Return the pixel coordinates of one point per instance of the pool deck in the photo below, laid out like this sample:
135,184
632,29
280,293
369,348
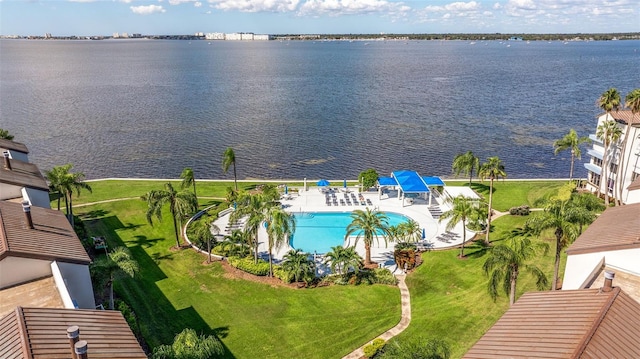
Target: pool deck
313,200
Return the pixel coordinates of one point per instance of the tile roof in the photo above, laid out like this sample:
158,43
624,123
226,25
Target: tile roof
13,145
634,185
625,116
584,323
41,293
51,239
23,174
42,333
616,228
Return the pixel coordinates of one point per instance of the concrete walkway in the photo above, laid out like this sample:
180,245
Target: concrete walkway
405,319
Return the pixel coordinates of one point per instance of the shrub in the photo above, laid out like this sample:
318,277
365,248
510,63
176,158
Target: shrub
520,211
128,314
246,264
384,276
228,249
375,347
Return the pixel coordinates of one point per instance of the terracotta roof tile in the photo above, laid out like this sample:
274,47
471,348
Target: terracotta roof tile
13,145
45,334
624,116
617,228
634,185
51,239
564,324
23,174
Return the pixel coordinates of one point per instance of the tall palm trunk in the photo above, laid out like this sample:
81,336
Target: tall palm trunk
514,280
235,177
620,175
486,238
255,247
70,211
573,156
556,265
464,237
367,250
111,301
175,228
270,264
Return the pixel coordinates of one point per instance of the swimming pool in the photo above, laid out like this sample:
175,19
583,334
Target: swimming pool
317,232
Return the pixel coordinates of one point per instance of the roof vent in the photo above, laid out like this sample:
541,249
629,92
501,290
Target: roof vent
7,161
73,333
26,208
608,281
81,349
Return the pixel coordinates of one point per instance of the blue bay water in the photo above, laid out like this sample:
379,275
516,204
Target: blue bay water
149,108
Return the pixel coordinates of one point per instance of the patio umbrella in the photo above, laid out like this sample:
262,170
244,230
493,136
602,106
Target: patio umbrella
323,183
286,189
344,184
424,235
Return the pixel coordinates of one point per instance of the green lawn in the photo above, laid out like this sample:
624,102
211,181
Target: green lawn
507,194
175,290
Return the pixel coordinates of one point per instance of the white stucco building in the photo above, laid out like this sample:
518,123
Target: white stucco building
629,172
612,242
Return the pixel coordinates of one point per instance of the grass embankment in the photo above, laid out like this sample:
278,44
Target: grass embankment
175,290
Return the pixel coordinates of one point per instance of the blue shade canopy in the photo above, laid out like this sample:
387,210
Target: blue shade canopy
410,182
433,181
387,181
323,182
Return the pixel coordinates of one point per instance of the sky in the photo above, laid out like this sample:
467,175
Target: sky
157,17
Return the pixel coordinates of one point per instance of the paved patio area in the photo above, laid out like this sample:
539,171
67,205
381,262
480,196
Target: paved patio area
313,200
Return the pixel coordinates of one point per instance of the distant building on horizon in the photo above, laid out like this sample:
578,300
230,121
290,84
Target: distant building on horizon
237,36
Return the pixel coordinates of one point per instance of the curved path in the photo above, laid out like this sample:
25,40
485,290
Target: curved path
405,319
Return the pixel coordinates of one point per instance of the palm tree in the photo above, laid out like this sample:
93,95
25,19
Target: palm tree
609,133
228,159
462,210
492,169
465,163
5,134
280,225
180,203
368,225
254,207
188,179
341,260
64,182
504,263
56,177
571,142
632,101
188,344
205,231
116,264
410,231
418,347
556,217
298,265
582,209
608,101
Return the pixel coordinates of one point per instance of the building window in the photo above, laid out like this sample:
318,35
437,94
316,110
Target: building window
595,179
597,161
613,168
634,176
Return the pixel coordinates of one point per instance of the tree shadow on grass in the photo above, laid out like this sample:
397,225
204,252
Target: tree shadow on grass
481,188
477,249
158,318
93,214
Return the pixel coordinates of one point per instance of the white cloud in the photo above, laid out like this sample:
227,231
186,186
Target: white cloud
197,4
255,5
454,7
349,7
147,10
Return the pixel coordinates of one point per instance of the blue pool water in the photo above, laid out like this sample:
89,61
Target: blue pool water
317,232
